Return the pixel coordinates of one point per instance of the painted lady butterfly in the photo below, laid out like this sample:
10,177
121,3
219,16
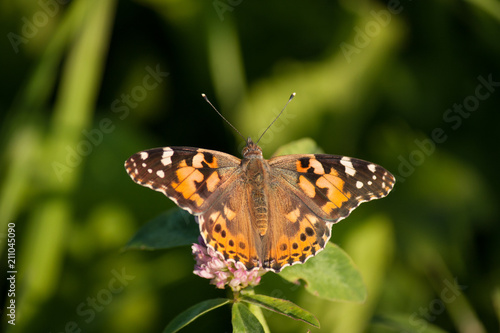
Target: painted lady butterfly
263,213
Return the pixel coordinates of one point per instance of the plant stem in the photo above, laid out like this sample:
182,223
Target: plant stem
256,310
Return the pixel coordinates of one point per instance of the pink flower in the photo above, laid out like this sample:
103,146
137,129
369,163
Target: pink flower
211,265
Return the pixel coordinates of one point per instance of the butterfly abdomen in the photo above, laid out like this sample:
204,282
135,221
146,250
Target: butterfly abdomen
257,172
260,211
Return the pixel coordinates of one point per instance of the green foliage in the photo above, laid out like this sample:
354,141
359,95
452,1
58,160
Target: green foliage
244,321
170,229
243,318
302,146
283,307
78,98
194,312
330,275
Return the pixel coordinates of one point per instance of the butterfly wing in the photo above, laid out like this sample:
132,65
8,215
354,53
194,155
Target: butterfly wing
295,232
315,191
227,227
331,185
191,177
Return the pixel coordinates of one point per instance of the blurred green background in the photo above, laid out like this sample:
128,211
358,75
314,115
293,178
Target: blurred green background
411,85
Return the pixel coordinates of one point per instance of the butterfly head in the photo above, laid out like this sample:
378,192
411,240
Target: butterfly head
252,150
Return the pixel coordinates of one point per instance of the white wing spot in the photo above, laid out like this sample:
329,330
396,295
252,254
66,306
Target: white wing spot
198,160
160,173
150,170
144,165
369,182
359,184
144,155
189,210
349,168
372,167
317,166
374,177
165,158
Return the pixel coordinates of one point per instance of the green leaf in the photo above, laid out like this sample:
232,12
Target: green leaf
172,228
404,323
301,146
244,320
194,312
283,307
330,275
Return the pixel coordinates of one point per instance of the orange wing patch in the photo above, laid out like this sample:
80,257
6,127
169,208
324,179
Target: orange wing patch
293,216
313,163
201,158
335,192
218,234
307,187
213,181
188,176
305,243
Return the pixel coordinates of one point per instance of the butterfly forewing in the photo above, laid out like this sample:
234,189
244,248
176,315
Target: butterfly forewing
332,185
188,176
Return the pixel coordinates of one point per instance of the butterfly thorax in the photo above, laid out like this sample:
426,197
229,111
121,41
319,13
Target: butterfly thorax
256,171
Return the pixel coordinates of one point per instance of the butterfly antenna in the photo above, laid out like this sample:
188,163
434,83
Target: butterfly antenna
271,124
227,121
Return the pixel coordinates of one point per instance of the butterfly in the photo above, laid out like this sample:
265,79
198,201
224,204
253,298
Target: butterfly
264,214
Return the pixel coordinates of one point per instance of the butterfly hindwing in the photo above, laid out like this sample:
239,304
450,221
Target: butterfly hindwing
295,233
227,228
188,176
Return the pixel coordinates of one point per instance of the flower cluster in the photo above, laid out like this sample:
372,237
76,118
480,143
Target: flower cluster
211,265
